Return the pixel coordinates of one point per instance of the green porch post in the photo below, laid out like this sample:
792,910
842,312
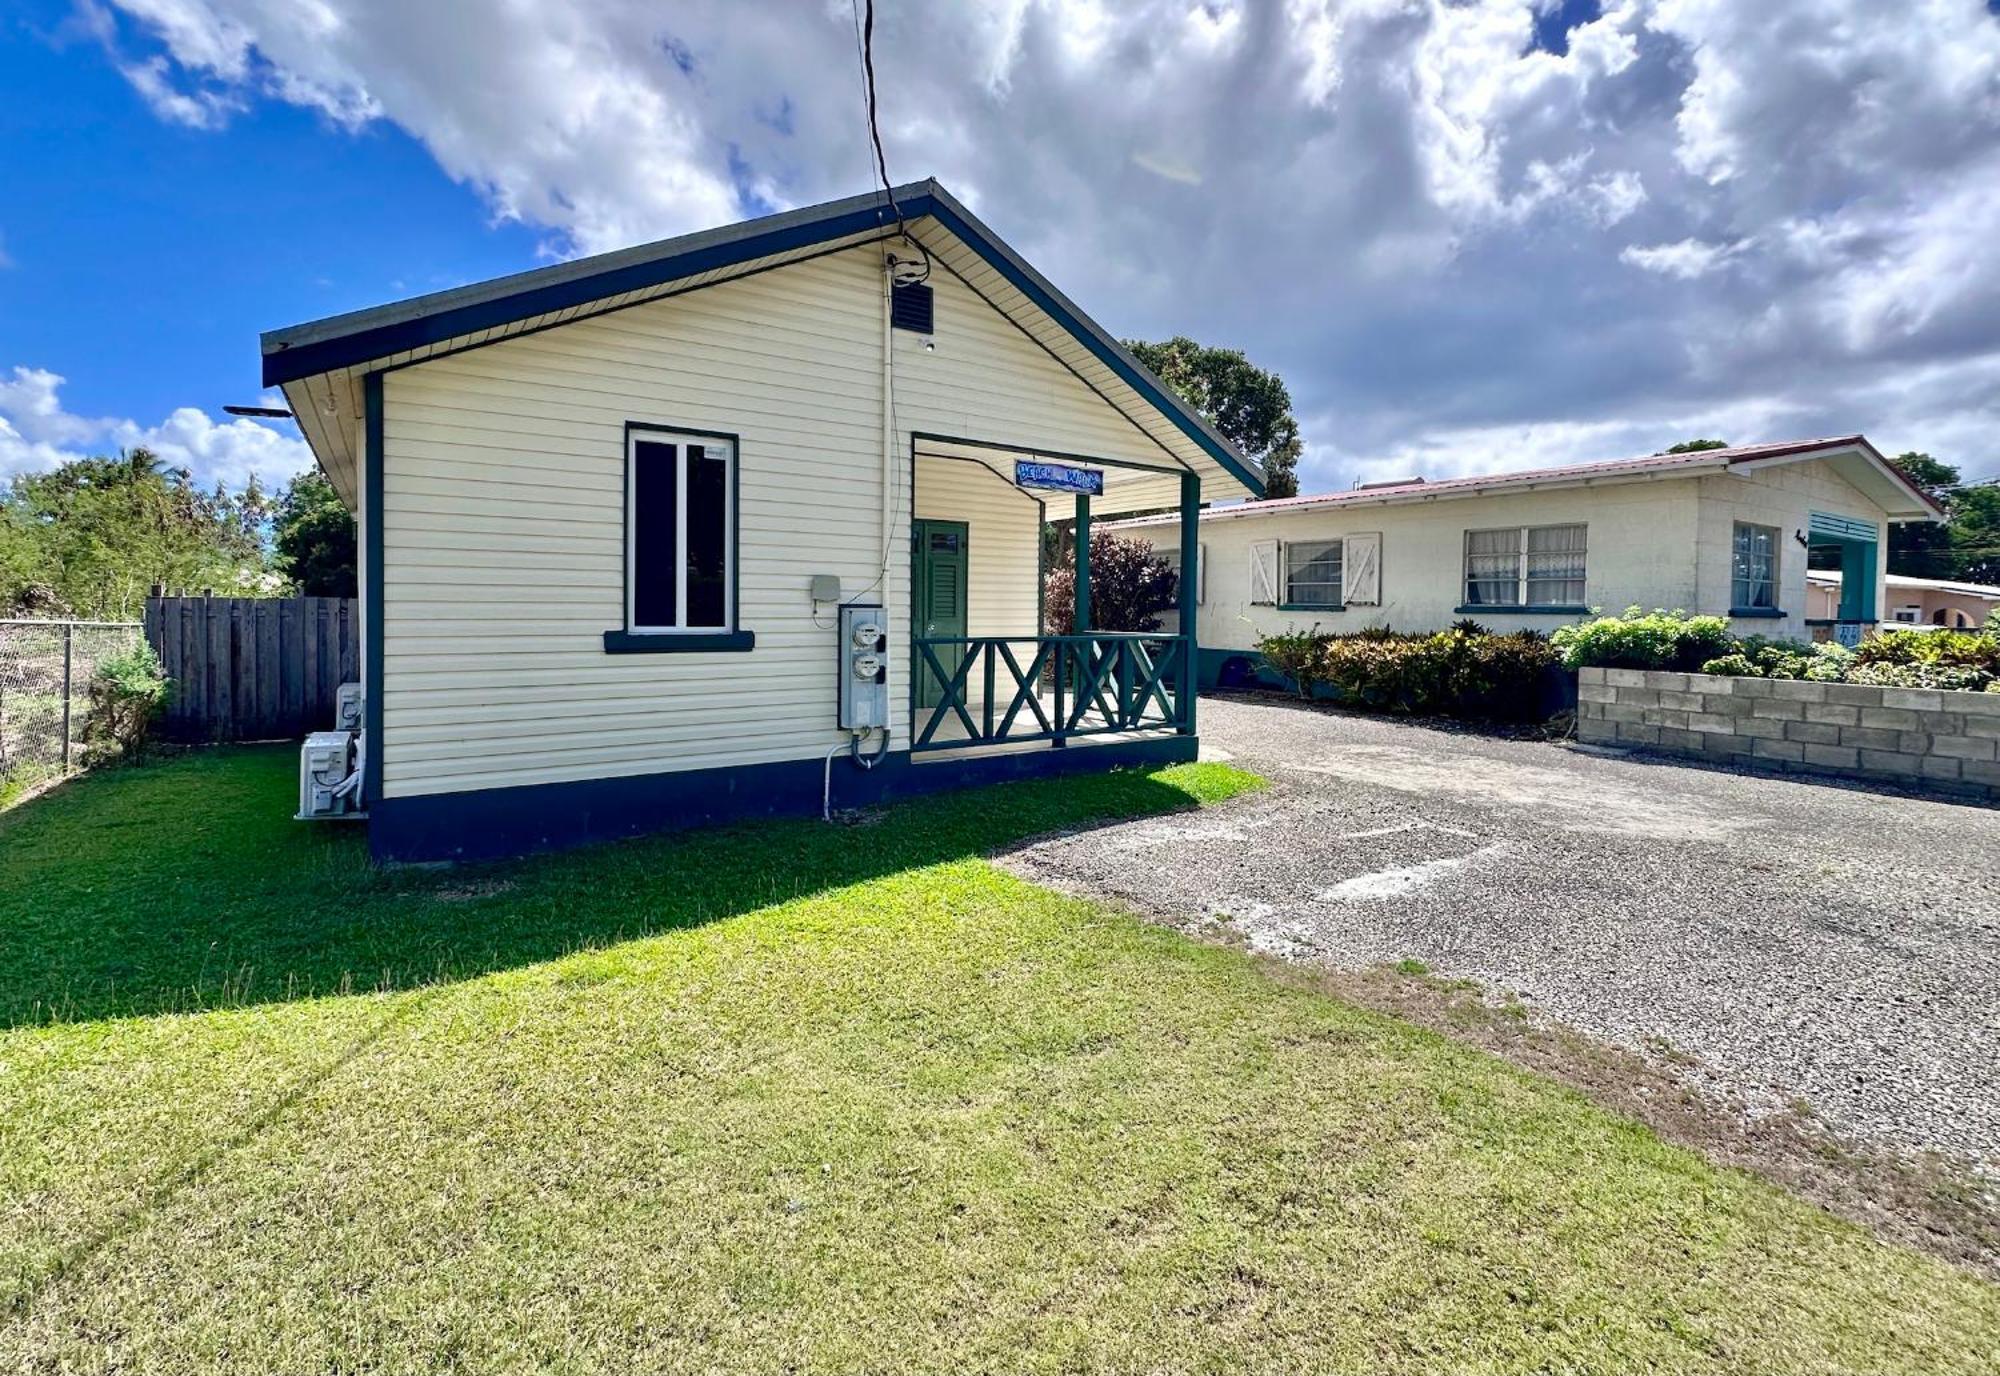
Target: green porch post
1079,654
1082,563
1190,587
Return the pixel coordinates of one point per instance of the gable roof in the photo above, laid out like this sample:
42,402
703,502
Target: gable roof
1904,500
322,360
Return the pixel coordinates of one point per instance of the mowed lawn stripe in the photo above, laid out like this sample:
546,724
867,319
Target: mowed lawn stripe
841,1099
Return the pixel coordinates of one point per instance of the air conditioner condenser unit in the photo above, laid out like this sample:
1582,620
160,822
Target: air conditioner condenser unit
329,784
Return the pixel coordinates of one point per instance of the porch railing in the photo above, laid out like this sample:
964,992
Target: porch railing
995,690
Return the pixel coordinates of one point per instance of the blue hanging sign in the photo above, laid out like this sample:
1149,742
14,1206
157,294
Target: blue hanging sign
1059,476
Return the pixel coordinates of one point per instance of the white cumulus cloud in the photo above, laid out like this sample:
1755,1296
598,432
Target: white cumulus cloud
37,432
1428,221
1686,259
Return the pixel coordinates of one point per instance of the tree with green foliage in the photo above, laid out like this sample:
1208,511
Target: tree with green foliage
90,537
1975,533
1248,406
1921,549
314,537
1694,446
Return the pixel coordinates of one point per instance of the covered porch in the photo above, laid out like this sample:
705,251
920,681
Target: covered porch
989,672
1849,548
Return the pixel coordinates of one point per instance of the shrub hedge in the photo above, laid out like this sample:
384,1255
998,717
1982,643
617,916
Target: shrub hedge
1466,671
1966,661
1645,640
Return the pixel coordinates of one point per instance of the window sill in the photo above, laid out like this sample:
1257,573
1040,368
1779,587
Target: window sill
653,643
1760,613
1490,608
1310,607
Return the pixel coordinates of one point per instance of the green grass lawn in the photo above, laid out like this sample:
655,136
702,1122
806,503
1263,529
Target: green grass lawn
798,1097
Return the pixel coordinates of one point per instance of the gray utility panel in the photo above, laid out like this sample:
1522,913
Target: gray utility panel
864,668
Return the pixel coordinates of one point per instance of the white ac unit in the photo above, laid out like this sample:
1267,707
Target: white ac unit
328,782
347,707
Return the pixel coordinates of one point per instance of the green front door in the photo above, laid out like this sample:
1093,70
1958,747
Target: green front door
938,586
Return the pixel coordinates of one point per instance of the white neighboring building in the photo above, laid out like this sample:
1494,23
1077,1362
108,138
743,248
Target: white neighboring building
1720,530
1911,601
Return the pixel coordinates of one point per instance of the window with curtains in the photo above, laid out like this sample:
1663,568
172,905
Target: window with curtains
1525,566
1753,573
680,528
1312,573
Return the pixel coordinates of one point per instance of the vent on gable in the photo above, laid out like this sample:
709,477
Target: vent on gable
910,307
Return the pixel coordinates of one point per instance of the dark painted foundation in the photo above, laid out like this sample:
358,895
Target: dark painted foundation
494,823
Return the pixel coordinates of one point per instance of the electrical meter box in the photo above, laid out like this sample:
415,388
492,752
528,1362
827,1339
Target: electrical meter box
864,668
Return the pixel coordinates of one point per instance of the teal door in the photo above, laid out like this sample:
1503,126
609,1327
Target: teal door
937,592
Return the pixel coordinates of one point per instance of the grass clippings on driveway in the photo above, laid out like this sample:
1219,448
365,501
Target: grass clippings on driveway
809,1098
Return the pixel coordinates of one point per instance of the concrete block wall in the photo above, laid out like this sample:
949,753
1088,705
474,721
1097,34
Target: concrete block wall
1949,742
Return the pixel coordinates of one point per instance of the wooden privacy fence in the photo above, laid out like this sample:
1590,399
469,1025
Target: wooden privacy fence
253,668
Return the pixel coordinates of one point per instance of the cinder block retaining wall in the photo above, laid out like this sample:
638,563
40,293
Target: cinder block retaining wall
1944,741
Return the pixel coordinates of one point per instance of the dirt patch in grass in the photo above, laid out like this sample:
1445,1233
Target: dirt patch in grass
1922,1200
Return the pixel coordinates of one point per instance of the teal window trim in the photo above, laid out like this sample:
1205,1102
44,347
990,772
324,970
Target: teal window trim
1312,606
1757,613
1489,608
677,642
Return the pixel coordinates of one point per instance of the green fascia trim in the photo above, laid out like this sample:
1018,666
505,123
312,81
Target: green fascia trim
1758,613
1490,608
674,643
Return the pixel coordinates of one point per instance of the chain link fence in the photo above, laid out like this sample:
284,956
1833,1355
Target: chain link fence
45,673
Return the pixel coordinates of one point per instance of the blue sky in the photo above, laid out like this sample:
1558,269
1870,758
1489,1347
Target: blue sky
144,257
1471,235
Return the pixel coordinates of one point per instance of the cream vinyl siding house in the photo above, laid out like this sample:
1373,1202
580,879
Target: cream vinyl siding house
749,427
1724,531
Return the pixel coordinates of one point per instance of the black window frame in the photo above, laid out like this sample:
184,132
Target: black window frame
632,638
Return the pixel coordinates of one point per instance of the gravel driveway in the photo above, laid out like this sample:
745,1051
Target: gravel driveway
1800,941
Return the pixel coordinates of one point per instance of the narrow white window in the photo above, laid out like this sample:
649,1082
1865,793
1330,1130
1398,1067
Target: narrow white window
1313,574
680,532
1753,573
1525,566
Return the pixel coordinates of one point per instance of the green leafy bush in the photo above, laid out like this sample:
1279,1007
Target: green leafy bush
1960,678
1732,666
1464,672
1300,656
1645,640
1970,649
1767,658
125,694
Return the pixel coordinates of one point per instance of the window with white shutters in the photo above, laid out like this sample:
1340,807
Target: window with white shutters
1312,573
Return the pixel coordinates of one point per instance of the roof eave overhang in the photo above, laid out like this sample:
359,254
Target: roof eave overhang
1921,507
365,337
